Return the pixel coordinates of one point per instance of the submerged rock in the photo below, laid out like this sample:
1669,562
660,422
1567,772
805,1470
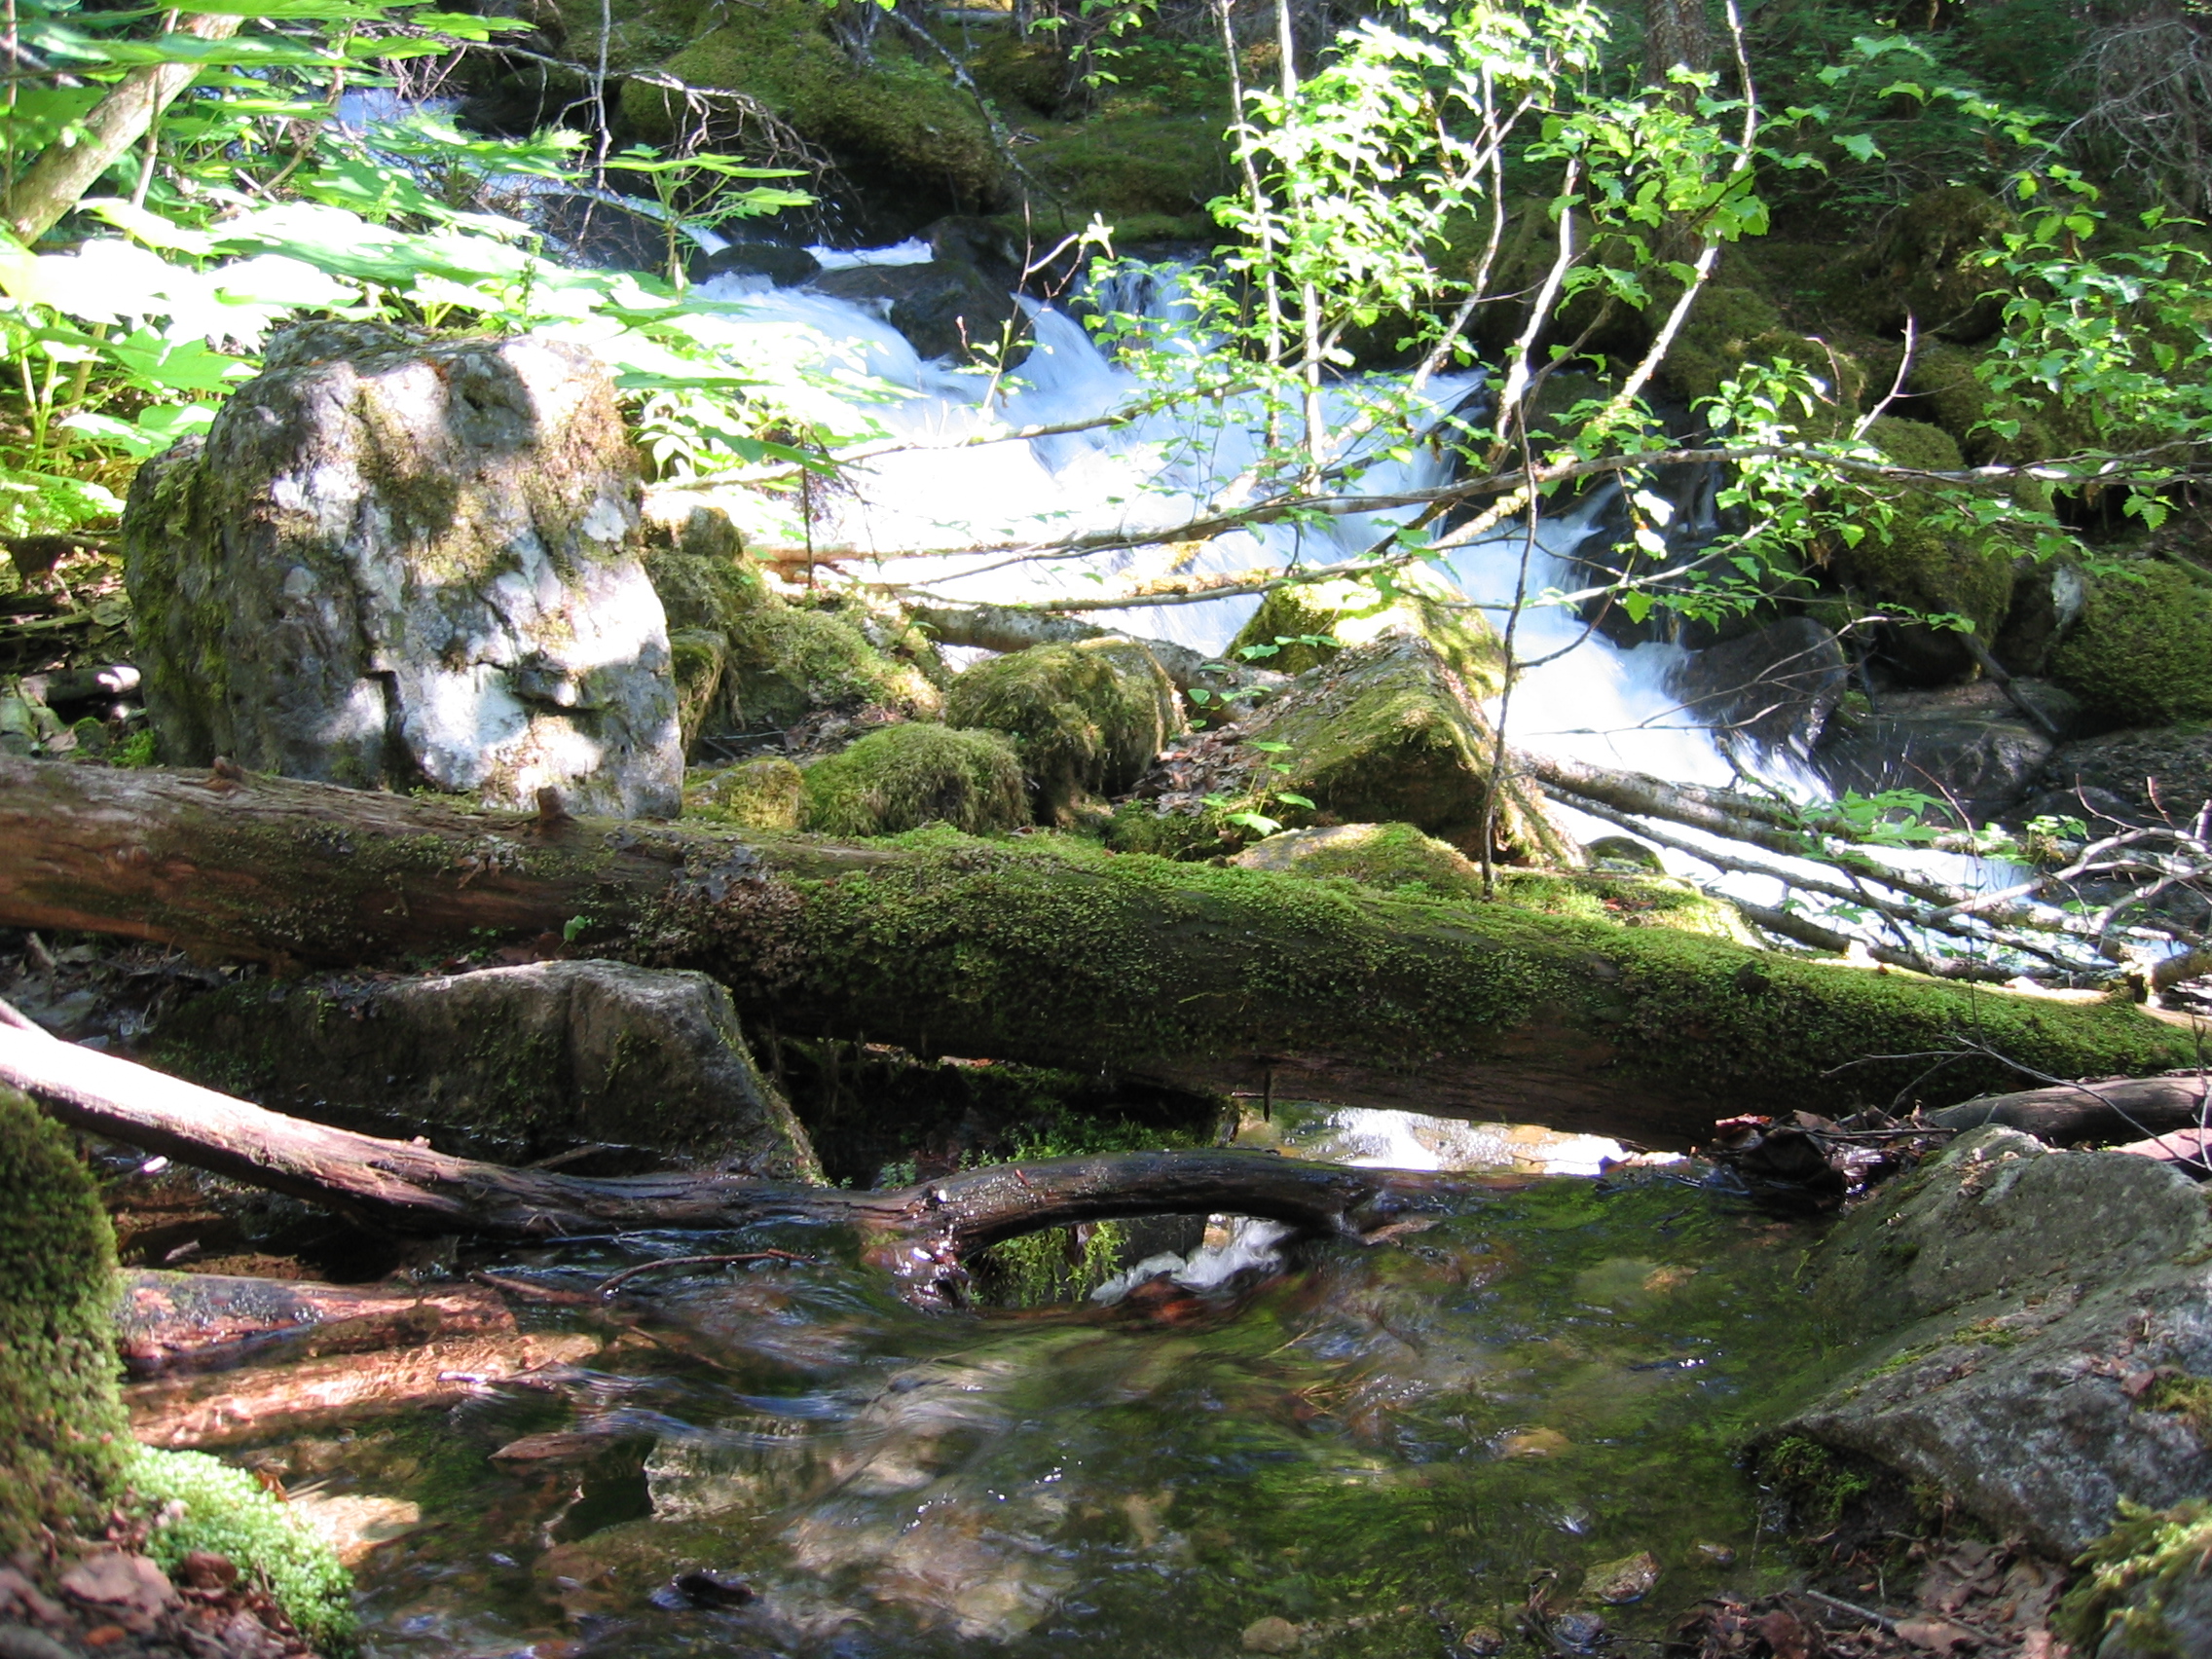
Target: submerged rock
1771,691
396,563
634,1066
2042,1318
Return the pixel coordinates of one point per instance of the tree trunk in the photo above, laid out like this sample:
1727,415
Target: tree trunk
1051,953
57,181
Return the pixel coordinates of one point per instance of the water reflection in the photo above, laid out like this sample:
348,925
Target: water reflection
1364,1443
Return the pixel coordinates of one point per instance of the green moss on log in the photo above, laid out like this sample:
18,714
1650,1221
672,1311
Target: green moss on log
906,775
2142,651
1060,953
1087,719
63,1435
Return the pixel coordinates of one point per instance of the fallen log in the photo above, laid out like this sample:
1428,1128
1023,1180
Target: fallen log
1049,952
277,1401
2073,1114
919,1232
174,1324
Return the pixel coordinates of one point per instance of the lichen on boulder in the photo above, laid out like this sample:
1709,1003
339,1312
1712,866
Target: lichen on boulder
397,561
62,1433
1087,719
2142,651
916,773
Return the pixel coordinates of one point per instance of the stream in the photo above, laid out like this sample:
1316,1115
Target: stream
1382,1447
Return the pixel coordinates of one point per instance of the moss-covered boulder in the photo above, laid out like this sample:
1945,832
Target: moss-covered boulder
404,561
1087,719
751,660
1384,732
1925,267
766,792
1149,175
1392,856
895,116
906,775
1917,553
62,1435
1303,626
2141,653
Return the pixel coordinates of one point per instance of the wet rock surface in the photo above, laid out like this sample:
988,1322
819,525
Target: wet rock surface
401,563
1772,690
2153,774
944,307
1969,744
2039,1308
605,1066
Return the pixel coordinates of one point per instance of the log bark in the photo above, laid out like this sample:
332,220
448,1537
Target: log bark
174,1324
921,1232
2071,1114
1045,952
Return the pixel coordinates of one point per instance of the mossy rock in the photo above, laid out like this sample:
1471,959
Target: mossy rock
697,657
1924,267
1392,856
2146,1593
791,660
906,775
1352,613
1625,900
1148,176
2141,653
1087,719
1030,74
896,115
1921,560
1384,732
200,1504
768,792
63,1431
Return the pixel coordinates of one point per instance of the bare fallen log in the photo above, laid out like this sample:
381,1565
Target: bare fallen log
174,1324
919,1232
1039,951
2073,1114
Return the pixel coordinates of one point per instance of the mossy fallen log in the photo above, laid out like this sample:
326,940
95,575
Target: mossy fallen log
1053,953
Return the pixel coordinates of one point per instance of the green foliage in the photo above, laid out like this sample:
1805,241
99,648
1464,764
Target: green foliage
1059,1264
1087,719
63,1431
2133,1572
2142,651
196,1502
916,773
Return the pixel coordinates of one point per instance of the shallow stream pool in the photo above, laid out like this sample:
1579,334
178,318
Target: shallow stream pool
1374,1450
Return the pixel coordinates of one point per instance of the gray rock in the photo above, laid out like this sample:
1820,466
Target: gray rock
2017,1298
945,308
2152,773
1966,743
397,563
1772,690
640,1066
784,266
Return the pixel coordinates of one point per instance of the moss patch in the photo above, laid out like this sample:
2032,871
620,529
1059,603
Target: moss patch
897,113
1158,169
2141,653
1087,719
62,1432
1918,557
198,1503
1352,613
764,793
2134,1571
906,775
